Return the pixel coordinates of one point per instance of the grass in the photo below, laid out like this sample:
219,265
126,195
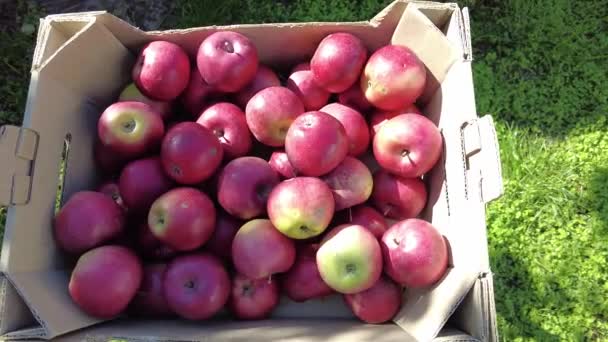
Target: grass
540,69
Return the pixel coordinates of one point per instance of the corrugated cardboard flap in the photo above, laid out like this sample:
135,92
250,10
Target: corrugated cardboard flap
17,152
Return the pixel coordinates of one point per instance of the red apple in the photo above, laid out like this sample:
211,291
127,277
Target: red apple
141,182
353,97
190,153
408,145
305,66
220,243
415,253
131,93
301,207
264,78
280,163
130,128
183,218
150,298
354,124
244,186
259,250
197,94
270,112
350,182
149,246
105,280
111,189
229,125
196,286
162,70
380,117
108,161
303,281
369,218
227,61
87,220
316,143
253,298
378,304
337,62
393,77
312,95
397,197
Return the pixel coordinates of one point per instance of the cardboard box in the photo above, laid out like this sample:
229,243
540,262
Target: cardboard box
83,60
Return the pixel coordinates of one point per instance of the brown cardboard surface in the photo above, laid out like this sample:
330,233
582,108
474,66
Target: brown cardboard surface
65,101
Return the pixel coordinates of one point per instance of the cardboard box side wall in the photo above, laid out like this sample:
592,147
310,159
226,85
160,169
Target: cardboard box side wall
63,101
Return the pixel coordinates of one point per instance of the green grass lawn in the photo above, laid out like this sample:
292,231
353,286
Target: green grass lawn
541,70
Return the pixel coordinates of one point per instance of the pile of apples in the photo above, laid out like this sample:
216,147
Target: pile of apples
226,189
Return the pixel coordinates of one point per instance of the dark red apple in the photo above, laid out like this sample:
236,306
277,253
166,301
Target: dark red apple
108,161
259,250
354,98
190,153
397,197
316,143
130,128
378,304
380,117
253,298
196,286
393,77
111,189
197,94
183,218
150,298
149,246
228,123
408,145
264,78
369,218
415,253
270,112
303,281
337,62
351,183
105,280
131,93
280,163
162,70
310,93
227,61
220,243
141,182
354,124
244,186
87,220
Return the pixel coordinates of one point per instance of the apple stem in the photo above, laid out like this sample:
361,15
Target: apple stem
388,209
396,241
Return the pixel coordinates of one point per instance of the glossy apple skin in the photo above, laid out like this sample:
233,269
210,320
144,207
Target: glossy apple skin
353,97
379,117
220,243
228,124
190,153
355,125
397,197
415,253
130,128
149,301
183,218
280,163
270,112
408,145
310,93
244,186
378,304
227,61
253,299
393,77
301,207
259,250
369,218
105,280
316,143
87,220
131,93
197,94
150,247
111,189
162,70
349,259
337,62
141,182
264,78
196,286
351,183
303,281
